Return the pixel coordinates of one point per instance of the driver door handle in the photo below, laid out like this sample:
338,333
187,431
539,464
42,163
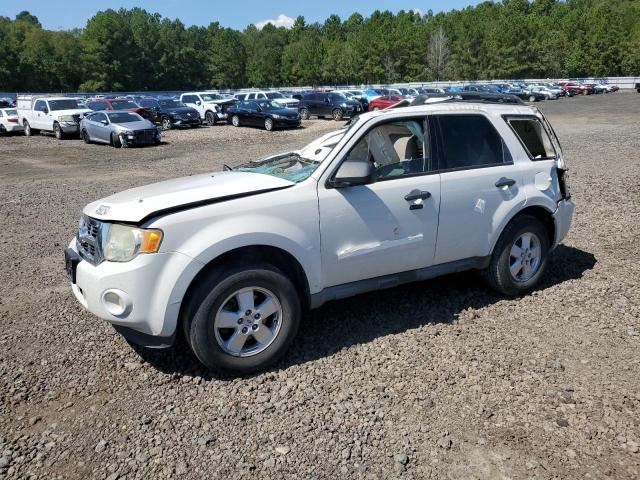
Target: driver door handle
417,195
505,182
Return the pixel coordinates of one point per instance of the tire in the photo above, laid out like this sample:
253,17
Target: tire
115,141
3,131
268,124
85,137
505,258
304,114
235,121
57,131
337,114
532,98
166,123
210,118
202,318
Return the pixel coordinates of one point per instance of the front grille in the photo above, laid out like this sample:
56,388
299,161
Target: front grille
145,136
89,240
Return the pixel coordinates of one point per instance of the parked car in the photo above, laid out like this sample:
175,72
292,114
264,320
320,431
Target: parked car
548,94
233,258
430,90
170,113
409,93
325,104
119,128
209,105
9,121
372,94
59,115
611,88
357,97
6,103
598,87
384,102
275,96
120,103
577,88
263,113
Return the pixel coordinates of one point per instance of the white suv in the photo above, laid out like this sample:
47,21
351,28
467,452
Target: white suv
275,96
233,258
210,105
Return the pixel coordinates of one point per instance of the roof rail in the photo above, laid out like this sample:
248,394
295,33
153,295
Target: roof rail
471,97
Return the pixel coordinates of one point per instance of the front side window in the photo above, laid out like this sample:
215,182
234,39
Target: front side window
534,138
396,149
470,141
40,106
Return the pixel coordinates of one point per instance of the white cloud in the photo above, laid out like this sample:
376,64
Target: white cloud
281,21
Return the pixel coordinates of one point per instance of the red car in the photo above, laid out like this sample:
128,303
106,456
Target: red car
384,102
97,104
577,88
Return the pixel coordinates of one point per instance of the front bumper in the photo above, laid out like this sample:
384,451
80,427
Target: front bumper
287,122
563,217
70,127
183,122
147,288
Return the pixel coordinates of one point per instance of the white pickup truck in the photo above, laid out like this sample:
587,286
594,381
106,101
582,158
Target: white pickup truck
233,258
60,115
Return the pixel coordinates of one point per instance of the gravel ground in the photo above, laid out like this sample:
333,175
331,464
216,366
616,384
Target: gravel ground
440,379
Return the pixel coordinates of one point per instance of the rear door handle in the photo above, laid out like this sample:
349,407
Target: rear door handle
417,195
505,182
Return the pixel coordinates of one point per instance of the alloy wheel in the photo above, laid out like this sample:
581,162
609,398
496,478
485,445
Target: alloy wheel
525,257
248,321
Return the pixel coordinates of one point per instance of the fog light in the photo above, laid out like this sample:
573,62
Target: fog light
117,302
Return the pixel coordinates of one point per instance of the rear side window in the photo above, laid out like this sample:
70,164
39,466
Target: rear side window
534,138
470,141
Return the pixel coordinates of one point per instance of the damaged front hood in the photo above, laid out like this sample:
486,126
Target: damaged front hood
142,203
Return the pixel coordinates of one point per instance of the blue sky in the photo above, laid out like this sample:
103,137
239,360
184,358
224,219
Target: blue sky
237,14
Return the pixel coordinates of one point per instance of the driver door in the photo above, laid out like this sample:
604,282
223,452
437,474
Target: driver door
389,226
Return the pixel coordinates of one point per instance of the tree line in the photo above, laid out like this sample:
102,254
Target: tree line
133,49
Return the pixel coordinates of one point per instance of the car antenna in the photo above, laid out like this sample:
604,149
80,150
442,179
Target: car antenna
226,168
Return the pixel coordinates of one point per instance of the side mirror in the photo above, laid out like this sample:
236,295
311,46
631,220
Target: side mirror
45,110
104,122
198,102
354,172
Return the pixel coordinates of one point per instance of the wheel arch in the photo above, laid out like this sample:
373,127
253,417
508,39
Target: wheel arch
276,256
540,212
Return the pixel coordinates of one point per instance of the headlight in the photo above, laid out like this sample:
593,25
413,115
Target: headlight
124,242
344,105
275,115
66,118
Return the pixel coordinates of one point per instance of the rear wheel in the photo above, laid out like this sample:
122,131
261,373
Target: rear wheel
268,124
235,121
242,318
532,98
3,131
28,131
210,118
520,256
304,114
337,114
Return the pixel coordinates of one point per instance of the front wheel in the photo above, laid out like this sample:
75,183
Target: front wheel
57,131
268,124
85,137
337,114
532,98
210,118
243,318
115,141
3,131
304,114
166,123
235,121
520,257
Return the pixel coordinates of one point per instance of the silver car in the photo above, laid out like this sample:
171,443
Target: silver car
119,128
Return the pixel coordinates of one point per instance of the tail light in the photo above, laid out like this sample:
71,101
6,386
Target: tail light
12,120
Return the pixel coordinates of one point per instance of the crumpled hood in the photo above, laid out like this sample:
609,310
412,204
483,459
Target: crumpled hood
140,203
133,126
73,111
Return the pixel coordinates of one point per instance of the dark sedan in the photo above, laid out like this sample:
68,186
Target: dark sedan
263,113
172,113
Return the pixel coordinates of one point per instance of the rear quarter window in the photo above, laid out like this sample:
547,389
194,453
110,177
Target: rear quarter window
533,137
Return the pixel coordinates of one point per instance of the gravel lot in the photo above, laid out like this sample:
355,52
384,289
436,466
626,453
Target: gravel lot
440,379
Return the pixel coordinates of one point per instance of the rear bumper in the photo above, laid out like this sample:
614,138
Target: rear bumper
13,127
563,217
